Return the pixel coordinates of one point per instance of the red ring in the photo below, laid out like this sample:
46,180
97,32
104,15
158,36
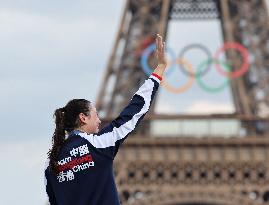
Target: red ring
244,52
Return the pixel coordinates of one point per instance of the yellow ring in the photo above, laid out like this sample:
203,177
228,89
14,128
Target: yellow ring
188,83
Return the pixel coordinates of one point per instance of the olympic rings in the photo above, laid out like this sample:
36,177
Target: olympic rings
244,52
188,83
201,47
206,87
145,56
201,70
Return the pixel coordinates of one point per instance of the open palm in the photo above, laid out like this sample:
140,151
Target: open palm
160,51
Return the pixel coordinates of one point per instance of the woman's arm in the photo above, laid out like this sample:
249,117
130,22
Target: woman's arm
110,137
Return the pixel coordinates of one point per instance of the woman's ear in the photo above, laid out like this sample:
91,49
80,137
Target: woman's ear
82,117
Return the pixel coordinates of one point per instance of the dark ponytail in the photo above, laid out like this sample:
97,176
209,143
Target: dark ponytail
66,120
57,139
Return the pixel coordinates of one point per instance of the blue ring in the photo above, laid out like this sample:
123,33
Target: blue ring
145,55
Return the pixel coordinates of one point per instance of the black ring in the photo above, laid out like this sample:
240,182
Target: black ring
199,46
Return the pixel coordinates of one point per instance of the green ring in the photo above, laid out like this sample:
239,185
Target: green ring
206,87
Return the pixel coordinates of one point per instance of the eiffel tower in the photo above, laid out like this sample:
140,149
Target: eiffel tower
183,169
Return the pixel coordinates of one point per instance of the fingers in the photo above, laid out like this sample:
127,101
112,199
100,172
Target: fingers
163,48
159,42
160,45
160,50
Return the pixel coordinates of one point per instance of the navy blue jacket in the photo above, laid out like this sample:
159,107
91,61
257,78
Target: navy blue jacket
86,160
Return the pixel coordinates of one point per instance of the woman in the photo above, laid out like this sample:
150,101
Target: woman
79,170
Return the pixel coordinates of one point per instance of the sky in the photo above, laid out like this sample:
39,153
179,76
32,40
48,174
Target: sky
51,52
54,51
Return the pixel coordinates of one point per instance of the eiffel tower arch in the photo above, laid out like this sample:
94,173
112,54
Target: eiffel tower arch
184,169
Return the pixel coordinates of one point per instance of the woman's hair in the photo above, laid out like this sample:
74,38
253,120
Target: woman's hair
66,120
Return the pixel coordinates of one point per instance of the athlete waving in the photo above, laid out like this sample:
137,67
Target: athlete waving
79,170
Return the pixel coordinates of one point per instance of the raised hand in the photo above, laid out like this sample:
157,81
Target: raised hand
160,55
160,51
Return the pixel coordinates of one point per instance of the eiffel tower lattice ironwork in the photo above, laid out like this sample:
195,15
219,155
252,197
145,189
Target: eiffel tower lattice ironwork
191,170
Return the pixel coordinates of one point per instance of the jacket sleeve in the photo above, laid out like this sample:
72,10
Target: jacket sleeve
110,137
49,191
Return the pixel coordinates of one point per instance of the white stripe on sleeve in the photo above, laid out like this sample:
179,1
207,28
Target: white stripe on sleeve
109,139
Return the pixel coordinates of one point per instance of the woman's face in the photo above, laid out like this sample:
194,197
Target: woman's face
91,122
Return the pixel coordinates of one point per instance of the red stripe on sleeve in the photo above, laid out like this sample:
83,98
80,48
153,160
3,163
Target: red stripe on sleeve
157,76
